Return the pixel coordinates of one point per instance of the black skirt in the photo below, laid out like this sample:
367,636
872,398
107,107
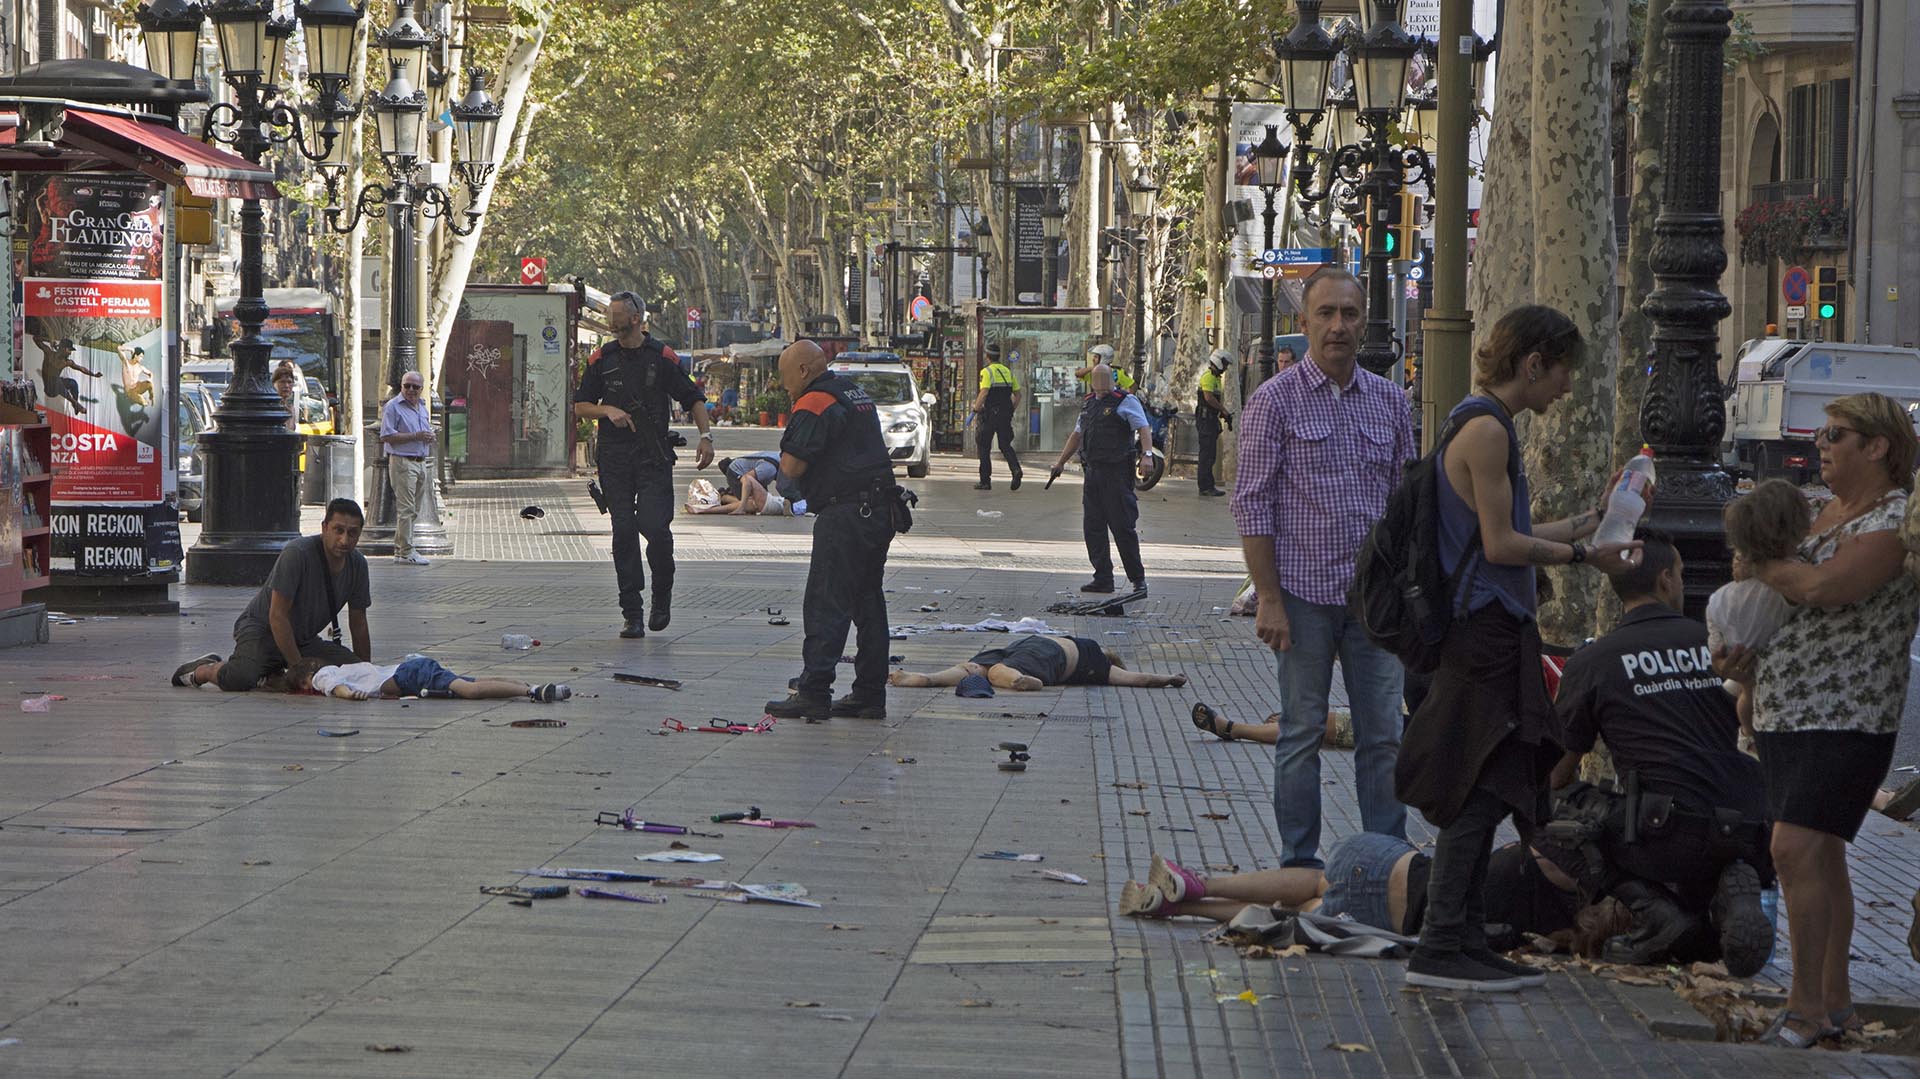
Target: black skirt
1823,780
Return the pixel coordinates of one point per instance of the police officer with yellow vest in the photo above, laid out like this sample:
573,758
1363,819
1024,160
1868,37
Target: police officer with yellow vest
833,452
1113,429
1209,408
993,410
1097,355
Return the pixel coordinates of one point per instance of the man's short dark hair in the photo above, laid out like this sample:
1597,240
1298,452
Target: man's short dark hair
1329,275
1657,556
345,507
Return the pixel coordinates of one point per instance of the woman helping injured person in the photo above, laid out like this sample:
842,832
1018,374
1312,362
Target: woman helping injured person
1032,661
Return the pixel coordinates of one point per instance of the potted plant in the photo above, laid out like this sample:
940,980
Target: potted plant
772,403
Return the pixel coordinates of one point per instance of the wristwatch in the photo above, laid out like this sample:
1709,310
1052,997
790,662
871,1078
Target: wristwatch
1579,553
706,436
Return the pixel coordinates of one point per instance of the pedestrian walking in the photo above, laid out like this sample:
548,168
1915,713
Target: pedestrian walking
1209,409
1485,738
993,409
1321,446
292,615
630,386
406,433
835,456
1113,431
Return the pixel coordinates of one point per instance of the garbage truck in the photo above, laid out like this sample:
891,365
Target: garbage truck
1780,391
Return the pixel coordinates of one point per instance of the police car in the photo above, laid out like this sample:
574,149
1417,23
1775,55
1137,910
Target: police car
906,419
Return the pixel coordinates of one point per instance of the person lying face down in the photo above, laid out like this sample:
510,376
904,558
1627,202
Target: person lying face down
415,676
1031,661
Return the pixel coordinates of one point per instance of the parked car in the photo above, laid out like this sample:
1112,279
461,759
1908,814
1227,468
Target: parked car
904,421
196,404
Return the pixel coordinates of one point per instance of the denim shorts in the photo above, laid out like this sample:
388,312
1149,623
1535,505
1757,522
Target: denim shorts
418,674
1358,868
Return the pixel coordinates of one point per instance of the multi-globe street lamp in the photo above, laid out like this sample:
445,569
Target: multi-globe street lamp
252,505
1362,155
1053,219
1269,166
1141,191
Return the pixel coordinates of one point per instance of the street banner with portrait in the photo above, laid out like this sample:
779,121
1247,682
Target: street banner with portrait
1248,235
93,304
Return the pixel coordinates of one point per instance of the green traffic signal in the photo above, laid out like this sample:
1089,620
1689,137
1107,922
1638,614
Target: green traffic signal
1826,310
1390,241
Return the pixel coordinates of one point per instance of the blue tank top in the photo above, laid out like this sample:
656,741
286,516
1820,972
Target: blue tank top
1511,586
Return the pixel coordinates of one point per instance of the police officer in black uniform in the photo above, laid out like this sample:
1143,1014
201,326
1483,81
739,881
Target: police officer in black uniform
1113,428
629,386
835,455
1686,847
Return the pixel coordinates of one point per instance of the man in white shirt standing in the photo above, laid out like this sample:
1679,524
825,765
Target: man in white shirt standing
406,430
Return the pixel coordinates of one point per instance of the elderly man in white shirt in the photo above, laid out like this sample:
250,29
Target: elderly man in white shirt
406,431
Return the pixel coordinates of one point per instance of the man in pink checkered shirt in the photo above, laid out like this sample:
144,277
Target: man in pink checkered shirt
1321,446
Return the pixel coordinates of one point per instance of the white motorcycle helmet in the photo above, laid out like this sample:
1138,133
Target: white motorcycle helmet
1101,354
1220,359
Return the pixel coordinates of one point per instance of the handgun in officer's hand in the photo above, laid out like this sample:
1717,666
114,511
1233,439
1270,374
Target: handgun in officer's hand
1228,416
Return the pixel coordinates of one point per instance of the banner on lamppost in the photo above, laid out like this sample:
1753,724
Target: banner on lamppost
1249,228
1029,243
93,314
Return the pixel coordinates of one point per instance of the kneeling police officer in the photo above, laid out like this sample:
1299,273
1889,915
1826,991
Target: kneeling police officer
834,453
1113,429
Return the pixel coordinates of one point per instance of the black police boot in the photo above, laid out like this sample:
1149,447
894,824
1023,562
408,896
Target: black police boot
662,610
633,629
1102,587
983,485
1746,937
1015,484
801,706
855,707
1658,923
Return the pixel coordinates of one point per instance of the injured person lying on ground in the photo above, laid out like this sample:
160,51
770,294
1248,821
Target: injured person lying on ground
415,676
1032,661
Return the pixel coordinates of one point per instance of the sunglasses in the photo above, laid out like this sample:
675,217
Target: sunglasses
1832,432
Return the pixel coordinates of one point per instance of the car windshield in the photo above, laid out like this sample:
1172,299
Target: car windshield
190,425
885,387
313,410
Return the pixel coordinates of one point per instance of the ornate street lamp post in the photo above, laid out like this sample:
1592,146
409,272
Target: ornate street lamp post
252,504
1269,164
1052,219
1140,195
1683,414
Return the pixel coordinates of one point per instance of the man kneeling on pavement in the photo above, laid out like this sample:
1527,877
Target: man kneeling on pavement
1684,847
286,622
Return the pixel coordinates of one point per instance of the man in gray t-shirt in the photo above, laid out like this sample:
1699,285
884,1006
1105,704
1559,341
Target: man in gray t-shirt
285,623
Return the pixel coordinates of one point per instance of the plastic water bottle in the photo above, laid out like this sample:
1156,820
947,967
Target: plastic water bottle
1627,501
1770,906
516,642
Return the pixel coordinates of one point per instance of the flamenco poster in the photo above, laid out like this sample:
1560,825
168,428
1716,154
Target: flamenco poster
93,303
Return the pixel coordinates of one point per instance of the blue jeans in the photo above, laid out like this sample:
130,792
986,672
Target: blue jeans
1322,632
1359,871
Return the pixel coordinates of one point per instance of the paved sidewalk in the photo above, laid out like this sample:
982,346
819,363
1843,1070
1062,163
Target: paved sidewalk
198,884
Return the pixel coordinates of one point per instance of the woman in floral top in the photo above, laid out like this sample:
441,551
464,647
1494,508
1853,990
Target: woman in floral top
1827,692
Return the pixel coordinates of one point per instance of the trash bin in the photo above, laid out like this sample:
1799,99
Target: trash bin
329,472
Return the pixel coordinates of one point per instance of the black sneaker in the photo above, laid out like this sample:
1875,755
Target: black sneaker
1454,970
852,707
1213,493
1746,937
1137,586
183,674
801,706
1102,587
1487,957
983,485
662,611
633,629
551,692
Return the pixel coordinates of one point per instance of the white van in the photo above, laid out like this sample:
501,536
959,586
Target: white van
905,416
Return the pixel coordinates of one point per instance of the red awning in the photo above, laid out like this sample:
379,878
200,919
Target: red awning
118,140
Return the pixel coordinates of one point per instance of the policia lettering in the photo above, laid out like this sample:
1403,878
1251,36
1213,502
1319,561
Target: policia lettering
847,479
636,463
993,411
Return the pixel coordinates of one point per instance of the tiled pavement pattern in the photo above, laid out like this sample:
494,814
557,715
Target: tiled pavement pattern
196,884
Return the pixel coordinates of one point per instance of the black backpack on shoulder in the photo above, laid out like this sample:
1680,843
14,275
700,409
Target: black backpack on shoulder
1402,595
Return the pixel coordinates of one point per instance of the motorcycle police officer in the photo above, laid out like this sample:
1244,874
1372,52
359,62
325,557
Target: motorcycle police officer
993,410
834,453
629,386
1208,410
1113,428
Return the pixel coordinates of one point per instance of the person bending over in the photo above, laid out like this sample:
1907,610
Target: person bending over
415,676
1032,661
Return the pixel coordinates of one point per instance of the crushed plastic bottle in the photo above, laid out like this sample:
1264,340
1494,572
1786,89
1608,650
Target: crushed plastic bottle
516,642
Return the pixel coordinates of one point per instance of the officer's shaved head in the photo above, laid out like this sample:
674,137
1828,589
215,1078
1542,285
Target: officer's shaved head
1100,379
801,363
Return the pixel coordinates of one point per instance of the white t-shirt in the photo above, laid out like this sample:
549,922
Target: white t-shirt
365,677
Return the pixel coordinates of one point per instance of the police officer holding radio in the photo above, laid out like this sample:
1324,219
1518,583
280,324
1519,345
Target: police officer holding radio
1113,428
629,386
834,453
1208,410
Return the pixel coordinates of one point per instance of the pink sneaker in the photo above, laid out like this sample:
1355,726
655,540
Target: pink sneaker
1140,901
1175,885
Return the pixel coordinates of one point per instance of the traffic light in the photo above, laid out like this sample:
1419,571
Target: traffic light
1408,229
1386,218
1827,297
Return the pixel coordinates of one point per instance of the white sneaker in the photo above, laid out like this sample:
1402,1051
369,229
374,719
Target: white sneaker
411,560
